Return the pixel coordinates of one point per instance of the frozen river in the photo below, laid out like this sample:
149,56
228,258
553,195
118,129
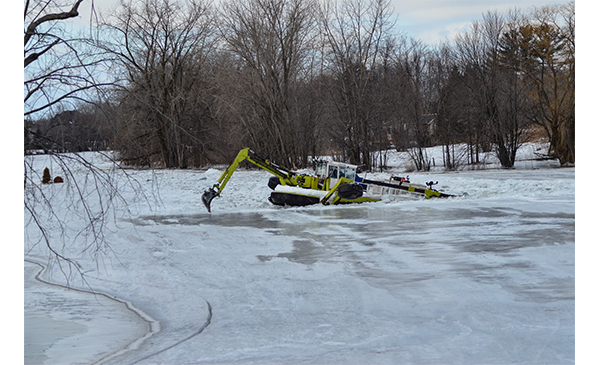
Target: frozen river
485,278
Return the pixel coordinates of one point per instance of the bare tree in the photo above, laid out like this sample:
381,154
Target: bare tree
58,67
272,40
479,52
59,70
503,94
162,49
470,58
84,129
355,32
416,112
384,97
547,46
450,107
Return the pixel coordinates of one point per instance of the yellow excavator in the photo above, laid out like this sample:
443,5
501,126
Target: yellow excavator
334,183
308,189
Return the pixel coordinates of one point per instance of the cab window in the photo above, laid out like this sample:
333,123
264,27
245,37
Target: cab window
333,172
350,173
321,169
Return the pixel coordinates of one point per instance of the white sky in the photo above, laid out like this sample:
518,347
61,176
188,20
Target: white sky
431,21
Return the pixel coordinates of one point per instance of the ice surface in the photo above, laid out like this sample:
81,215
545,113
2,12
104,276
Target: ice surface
488,277
66,326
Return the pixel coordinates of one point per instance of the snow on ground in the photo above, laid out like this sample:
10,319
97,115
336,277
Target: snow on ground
487,277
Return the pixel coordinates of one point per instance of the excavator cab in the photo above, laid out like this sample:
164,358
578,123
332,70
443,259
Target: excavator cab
335,171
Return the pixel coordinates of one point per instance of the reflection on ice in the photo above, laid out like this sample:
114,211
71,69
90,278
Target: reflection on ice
252,220
304,252
431,232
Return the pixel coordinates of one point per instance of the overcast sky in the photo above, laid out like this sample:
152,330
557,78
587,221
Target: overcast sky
428,20
435,20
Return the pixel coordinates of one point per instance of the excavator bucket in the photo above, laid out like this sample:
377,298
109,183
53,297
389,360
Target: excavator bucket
208,196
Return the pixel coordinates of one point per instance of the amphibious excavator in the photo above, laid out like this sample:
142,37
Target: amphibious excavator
333,183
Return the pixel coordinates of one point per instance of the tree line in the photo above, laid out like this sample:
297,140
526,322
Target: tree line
188,83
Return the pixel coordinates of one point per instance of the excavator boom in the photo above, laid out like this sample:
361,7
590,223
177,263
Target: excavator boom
284,175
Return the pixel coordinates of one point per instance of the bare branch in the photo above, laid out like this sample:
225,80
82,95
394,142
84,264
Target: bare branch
32,27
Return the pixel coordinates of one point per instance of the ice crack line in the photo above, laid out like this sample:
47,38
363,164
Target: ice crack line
153,326
208,319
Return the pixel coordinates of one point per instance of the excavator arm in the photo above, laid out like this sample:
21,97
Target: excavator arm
285,176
